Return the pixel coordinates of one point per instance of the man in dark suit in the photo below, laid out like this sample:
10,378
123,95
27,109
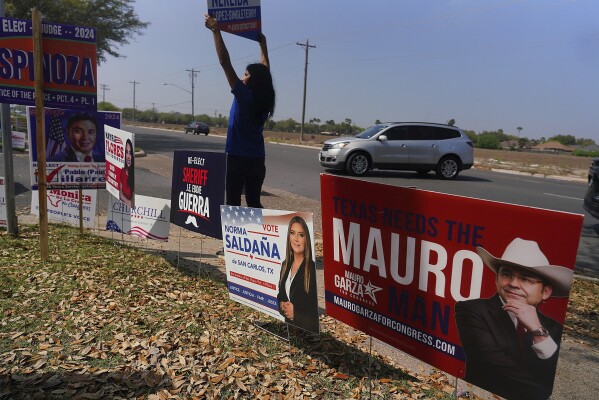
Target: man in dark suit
511,347
81,131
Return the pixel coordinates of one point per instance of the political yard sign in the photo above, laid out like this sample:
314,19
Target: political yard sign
3,222
197,191
397,260
148,219
63,206
239,17
69,63
68,133
120,148
255,243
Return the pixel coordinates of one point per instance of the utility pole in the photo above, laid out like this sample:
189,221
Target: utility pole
134,84
9,175
307,46
104,89
192,74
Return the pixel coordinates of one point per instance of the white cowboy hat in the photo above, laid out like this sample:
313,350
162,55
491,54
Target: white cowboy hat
526,254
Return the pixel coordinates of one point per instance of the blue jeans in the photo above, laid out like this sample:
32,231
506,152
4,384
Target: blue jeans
244,173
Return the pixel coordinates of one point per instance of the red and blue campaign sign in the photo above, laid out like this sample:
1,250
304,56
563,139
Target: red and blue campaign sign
197,191
69,62
239,17
440,277
75,147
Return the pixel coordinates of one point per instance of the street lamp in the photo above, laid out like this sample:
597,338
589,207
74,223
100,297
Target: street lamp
190,92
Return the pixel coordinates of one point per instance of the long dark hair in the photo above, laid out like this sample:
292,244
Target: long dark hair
260,83
307,252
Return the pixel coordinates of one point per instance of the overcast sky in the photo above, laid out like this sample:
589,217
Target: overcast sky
489,64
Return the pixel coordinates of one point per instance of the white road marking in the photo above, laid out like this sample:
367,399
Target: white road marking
565,197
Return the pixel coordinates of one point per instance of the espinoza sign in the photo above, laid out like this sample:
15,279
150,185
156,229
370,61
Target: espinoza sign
69,64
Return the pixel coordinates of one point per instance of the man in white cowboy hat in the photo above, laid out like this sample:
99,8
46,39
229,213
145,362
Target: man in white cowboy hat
511,347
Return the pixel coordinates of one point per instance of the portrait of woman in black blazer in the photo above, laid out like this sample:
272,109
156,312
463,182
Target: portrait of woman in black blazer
298,301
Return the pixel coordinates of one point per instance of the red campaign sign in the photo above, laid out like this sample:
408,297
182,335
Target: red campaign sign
69,64
397,260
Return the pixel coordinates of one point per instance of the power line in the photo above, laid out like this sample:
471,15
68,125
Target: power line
104,89
134,84
306,46
192,75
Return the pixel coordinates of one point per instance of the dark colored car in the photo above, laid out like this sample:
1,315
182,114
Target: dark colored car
197,127
591,199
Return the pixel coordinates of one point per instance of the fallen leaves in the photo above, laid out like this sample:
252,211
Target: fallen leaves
101,321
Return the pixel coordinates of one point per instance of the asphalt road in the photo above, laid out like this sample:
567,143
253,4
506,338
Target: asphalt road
295,169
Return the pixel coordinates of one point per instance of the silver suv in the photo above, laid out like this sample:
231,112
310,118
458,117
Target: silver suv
413,146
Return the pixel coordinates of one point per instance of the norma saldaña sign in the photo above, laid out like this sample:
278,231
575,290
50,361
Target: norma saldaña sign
69,62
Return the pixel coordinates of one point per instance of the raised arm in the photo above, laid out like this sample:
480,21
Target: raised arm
264,51
221,51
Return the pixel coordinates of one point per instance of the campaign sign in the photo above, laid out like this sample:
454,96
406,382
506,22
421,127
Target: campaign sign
148,219
74,147
69,65
18,140
120,164
63,206
239,17
3,221
406,266
260,249
197,191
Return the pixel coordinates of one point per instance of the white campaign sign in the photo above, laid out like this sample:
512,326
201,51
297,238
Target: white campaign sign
63,206
2,203
148,219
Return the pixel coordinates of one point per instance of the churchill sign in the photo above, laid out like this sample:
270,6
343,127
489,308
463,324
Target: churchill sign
69,63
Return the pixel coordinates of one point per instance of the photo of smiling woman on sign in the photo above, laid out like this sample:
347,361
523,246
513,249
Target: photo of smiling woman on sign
127,180
298,301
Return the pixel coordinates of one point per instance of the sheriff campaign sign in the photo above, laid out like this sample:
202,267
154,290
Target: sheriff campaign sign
69,64
399,262
197,191
239,17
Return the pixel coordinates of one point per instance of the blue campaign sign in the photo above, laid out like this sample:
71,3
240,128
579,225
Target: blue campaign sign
69,63
71,136
239,17
197,191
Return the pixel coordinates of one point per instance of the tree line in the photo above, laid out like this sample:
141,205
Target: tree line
483,140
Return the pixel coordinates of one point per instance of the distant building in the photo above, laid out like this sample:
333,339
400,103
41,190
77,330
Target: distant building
553,147
509,144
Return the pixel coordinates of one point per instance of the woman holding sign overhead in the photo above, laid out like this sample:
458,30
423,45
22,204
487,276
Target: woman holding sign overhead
253,104
298,301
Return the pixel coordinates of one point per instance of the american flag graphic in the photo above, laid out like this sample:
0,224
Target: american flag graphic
240,216
112,226
56,142
118,140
